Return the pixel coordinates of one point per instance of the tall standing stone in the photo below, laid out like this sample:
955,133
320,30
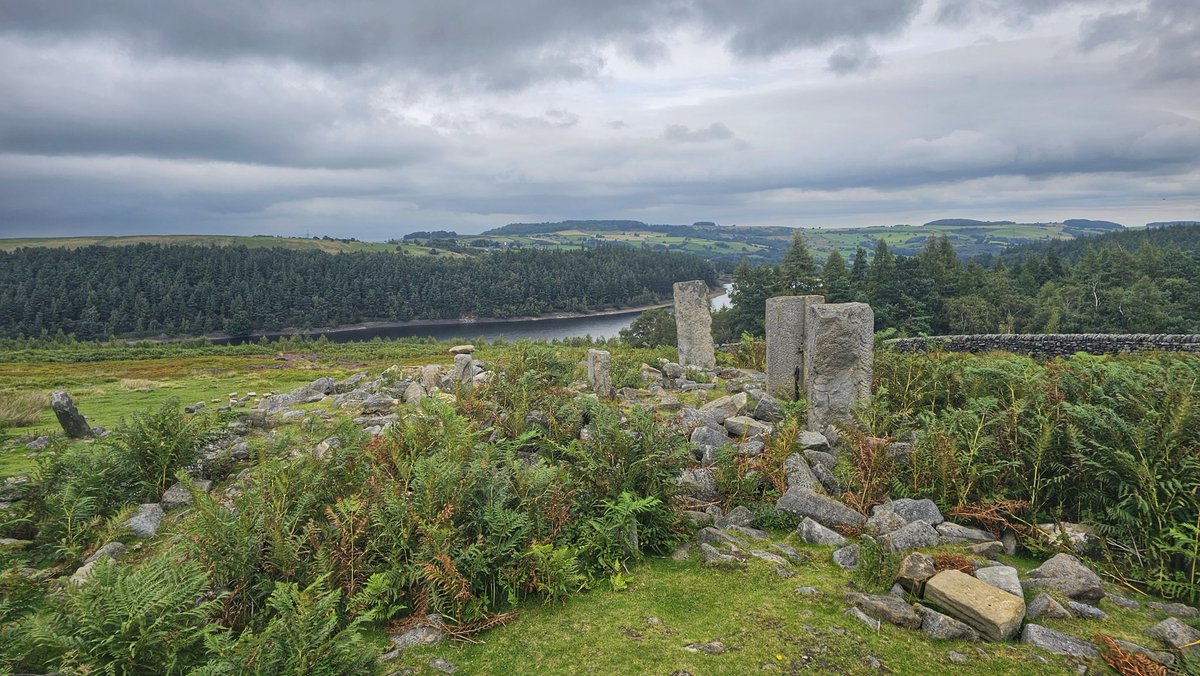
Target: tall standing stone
693,324
72,421
598,374
838,358
785,344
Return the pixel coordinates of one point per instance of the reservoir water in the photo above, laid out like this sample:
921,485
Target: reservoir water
607,326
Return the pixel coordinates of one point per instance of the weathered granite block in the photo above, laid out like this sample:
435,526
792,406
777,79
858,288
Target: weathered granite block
693,324
598,374
785,344
838,358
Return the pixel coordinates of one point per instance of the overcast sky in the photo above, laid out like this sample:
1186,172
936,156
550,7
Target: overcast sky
376,118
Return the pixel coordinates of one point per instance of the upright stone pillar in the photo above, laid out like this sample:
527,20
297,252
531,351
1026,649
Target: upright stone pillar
598,373
693,324
785,344
838,358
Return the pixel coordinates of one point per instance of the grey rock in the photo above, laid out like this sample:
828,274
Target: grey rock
824,510
1175,634
111,550
1086,611
995,614
39,444
738,516
941,627
784,322
81,576
807,591
953,533
846,557
1044,606
816,457
693,324
915,569
770,557
672,370
1163,658
145,521
711,556
429,633
712,535
178,495
414,393
443,665
1174,609
699,519
768,409
1002,577
866,619
800,475
750,533
1066,574
1009,539
323,385
743,426
956,657
813,441
814,533
349,382
72,422
701,482
709,436
828,481
1057,642
912,536
987,549
884,521
598,364
752,448
887,609
1121,601
722,408
1079,538
790,554
917,510
838,356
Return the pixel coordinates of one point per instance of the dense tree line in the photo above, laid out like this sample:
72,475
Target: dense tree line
95,292
1108,288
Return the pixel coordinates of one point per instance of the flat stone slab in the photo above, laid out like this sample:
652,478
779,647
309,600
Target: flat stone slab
1057,642
814,533
995,614
1002,577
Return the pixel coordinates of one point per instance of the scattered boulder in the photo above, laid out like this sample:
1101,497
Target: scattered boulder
1174,609
816,457
428,633
886,608
711,556
812,441
702,483
73,423
1177,636
885,521
324,385
1002,577
1086,611
738,516
941,627
1065,573
912,536
814,533
1078,537
745,426
915,569
462,349
846,557
721,409
1121,601
747,532
109,551
800,475
1057,642
988,549
768,409
917,510
997,615
1044,606
39,444
828,481
710,535
178,494
866,619
824,510
953,533
145,521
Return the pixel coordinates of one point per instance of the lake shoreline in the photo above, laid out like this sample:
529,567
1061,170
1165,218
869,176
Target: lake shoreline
418,323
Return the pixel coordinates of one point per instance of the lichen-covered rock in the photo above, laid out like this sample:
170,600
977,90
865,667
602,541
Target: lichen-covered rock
701,483
1066,574
915,569
824,510
995,614
1174,609
1177,636
1057,642
1002,577
846,557
743,426
912,536
814,533
800,475
1086,611
953,533
72,422
887,609
178,494
917,510
145,521
838,358
945,628
693,324
738,516
1044,606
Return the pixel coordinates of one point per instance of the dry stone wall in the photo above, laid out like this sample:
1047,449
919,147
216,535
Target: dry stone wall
1053,344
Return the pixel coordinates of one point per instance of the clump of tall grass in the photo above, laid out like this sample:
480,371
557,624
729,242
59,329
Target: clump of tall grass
21,409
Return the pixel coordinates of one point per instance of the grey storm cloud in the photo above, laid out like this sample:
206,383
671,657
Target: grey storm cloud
370,117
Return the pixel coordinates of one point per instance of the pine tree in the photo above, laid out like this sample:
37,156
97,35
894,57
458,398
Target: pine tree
798,274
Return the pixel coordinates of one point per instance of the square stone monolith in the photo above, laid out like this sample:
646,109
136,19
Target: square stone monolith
598,374
785,344
838,357
693,324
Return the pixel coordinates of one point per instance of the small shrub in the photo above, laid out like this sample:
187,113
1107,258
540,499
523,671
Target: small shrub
877,567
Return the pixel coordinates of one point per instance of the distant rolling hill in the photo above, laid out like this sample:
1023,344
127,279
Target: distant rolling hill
327,245
768,243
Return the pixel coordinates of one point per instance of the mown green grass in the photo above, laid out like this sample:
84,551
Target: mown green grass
764,625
